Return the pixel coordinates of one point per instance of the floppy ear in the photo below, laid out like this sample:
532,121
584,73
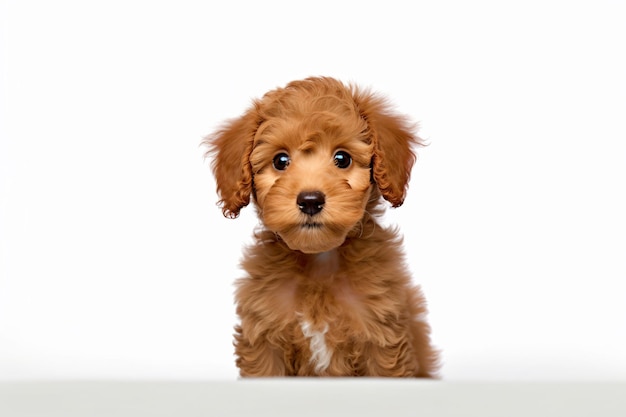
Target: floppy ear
230,147
393,137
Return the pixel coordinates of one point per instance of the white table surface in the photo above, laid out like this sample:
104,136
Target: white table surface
312,397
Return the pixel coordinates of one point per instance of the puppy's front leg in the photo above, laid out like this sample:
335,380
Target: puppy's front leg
396,360
259,358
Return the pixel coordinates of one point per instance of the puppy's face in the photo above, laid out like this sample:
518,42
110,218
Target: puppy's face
313,155
311,175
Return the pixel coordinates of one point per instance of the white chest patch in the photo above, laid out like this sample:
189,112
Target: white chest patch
320,354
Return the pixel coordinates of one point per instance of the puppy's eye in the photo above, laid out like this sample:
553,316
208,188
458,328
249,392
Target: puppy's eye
281,161
343,159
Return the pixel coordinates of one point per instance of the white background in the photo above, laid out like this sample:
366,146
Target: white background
116,263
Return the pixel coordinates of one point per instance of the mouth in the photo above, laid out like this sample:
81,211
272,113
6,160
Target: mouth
313,236
312,225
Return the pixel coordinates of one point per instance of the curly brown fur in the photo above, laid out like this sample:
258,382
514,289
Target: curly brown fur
327,291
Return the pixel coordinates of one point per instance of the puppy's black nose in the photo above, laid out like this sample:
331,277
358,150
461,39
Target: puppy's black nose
311,202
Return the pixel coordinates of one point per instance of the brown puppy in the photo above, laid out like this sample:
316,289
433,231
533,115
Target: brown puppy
326,291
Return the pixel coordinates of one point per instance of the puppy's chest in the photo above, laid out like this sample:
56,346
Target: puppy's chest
329,315
322,310
325,300
316,300
325,289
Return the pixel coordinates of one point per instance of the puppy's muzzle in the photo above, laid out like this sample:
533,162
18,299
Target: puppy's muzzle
311,202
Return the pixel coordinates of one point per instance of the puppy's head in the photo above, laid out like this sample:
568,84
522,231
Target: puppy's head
313,155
